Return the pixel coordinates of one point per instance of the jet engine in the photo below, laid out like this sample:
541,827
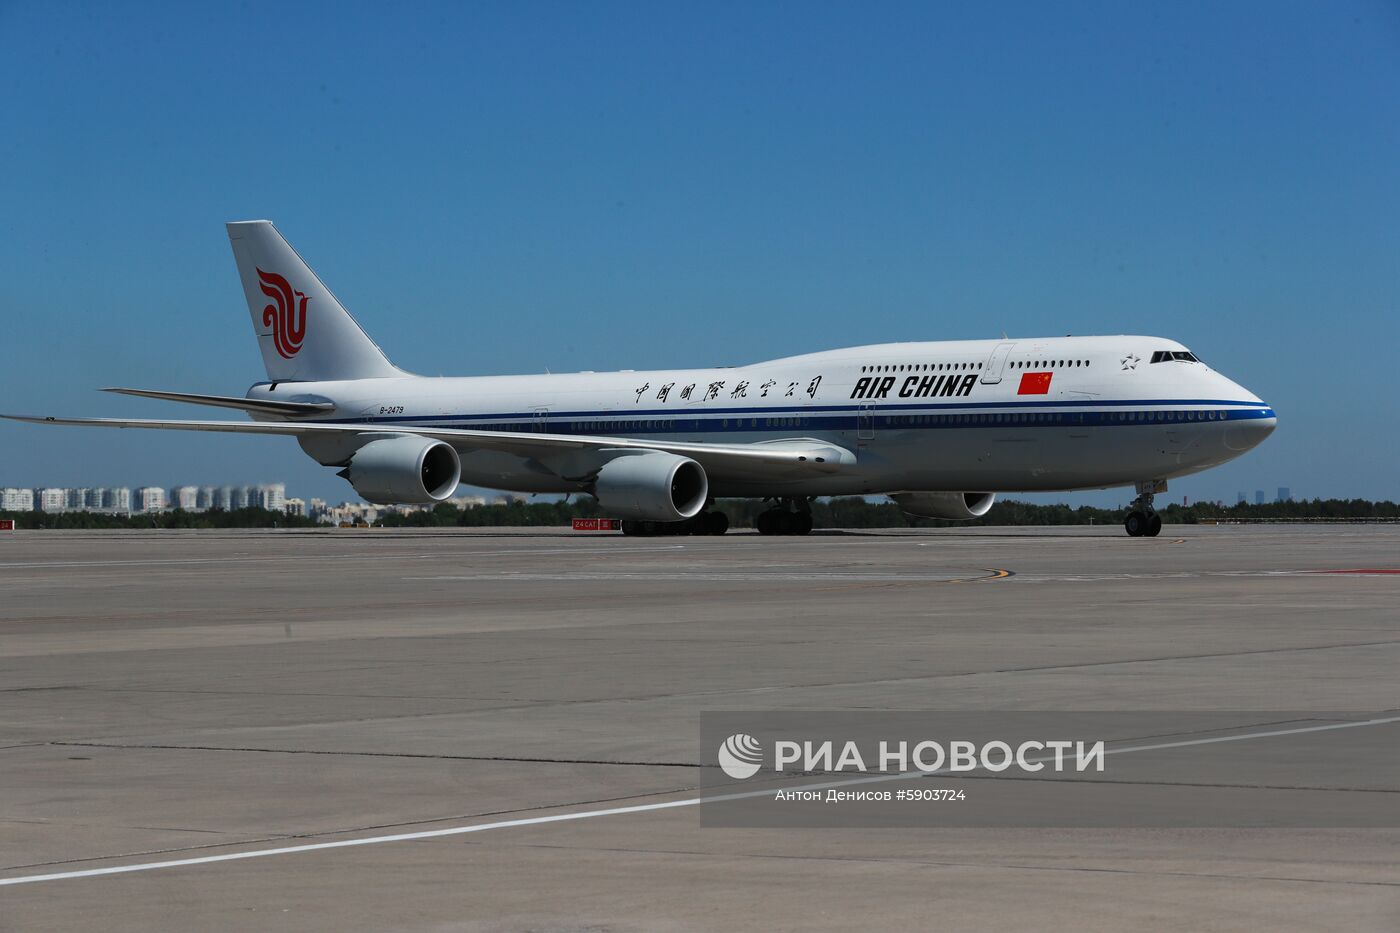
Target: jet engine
657,486
404,469
957,506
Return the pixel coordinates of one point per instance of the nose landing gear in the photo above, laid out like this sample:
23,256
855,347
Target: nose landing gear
1142,520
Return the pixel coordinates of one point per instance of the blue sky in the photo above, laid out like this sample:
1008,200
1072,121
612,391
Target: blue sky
513,187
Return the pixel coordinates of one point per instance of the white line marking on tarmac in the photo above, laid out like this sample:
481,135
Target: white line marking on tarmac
618,811
25,565
737,576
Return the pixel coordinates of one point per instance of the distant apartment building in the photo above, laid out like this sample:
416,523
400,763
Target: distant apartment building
13,499
295,506
1285,494
121,499
1242,499
150,499
53,499
273,496
352,512
1258,497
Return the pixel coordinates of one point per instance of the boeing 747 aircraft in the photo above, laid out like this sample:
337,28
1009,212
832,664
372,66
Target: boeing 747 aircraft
940,427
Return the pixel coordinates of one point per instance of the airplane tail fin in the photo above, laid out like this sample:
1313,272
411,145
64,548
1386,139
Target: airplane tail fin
304,333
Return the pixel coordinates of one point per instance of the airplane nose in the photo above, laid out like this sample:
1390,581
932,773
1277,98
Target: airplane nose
1250,432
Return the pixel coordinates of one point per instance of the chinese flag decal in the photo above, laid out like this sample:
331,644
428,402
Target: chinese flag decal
1034,384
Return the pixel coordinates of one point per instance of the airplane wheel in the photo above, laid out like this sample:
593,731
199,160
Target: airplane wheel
786,523
1135,524
767,523
1154,525
802,523
716,523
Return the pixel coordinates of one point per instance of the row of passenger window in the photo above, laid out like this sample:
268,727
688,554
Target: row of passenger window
1047,364
1126,417
1014,417
650,424
920,367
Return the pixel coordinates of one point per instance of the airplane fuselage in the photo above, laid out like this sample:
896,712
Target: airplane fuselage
1033,414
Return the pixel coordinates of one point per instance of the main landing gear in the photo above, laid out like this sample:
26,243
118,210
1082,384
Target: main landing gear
788,517
703,522
1143,521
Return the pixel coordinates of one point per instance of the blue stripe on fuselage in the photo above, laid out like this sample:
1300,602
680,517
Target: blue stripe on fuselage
886,418
790,411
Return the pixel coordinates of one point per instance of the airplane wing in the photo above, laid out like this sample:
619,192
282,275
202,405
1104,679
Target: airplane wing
268,406
795,455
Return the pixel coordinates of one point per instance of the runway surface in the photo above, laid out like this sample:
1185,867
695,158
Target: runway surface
499,729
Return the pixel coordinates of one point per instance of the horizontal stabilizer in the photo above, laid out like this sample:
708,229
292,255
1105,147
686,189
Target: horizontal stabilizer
263,406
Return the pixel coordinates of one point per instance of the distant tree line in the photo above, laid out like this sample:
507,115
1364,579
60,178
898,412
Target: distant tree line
847,512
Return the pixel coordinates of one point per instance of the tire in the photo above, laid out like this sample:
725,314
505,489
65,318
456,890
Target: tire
1154,525
716,523
786,523
802,524
766,523
1135,524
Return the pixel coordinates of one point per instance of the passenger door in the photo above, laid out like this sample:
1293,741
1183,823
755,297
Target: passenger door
865,422
991,370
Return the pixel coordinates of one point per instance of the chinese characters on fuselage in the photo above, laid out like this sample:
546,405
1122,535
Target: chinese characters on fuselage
712,391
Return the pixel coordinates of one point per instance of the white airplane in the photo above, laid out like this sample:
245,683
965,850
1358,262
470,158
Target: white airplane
921,422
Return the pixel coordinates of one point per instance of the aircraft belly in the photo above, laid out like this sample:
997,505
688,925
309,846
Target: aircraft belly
1032,459
1005,459
494,469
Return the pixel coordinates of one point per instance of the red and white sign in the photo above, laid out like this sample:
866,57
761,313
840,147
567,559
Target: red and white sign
7,524
596,524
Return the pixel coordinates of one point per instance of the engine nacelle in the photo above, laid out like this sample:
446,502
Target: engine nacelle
658,487
956,506
399,470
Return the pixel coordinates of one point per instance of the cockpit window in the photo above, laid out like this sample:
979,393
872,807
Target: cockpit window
1167,356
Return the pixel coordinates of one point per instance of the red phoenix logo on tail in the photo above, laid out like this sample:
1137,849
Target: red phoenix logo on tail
287,317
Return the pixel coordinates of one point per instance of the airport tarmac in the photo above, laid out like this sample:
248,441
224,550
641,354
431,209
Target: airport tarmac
505,723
